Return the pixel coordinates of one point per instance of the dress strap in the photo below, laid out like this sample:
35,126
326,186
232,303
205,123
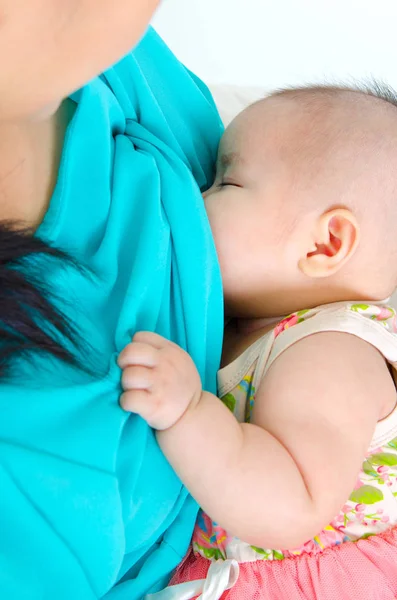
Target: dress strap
344,319
233,373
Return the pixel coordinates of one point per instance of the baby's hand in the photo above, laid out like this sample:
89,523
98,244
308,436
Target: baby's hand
160,380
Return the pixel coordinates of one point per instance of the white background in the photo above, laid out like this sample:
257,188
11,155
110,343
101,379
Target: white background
271,43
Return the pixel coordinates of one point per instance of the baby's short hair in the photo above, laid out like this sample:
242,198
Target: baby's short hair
376,203
376,89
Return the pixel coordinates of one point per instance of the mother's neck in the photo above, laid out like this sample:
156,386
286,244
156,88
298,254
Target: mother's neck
30,152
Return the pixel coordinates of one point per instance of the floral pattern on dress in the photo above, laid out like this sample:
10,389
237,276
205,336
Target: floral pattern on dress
246,386
209,540
290,321
372,506
384,314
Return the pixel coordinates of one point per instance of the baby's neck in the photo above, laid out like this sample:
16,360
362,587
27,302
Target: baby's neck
242,333
248,326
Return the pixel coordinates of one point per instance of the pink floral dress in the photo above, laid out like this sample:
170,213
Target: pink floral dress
355,556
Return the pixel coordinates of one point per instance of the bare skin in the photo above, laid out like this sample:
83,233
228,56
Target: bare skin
31,152
49,48
303,196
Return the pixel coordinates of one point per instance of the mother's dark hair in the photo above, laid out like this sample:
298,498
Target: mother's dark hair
29,319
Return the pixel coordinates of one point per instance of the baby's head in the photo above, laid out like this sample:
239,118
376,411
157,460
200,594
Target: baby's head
304,206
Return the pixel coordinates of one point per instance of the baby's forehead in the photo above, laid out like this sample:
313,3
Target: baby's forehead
226,159
313,139
254,133
311,121
257,124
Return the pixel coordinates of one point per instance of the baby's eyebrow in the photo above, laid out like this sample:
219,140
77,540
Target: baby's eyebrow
229,159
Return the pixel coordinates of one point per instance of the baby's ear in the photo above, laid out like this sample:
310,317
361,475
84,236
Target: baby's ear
335,239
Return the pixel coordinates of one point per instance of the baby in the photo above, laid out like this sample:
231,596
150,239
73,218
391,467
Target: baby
296,468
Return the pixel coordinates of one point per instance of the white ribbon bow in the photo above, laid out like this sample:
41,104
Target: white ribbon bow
222,575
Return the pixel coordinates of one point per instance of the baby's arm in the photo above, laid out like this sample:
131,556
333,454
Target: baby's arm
277,482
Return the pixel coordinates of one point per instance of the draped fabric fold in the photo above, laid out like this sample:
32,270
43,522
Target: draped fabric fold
89,506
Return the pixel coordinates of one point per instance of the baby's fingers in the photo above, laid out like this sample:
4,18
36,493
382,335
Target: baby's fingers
138,353
138,402
153,339
137,378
